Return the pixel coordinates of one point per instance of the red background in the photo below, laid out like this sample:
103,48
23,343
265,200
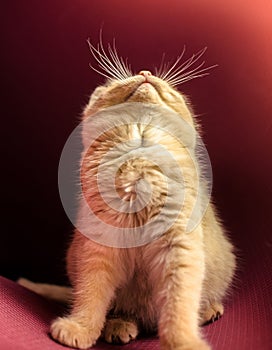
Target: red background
46,80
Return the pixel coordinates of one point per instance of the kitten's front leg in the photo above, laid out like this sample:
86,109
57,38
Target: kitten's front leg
94,288
179,294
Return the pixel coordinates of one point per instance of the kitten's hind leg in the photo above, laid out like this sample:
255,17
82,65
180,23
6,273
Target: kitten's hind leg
120,331
211,313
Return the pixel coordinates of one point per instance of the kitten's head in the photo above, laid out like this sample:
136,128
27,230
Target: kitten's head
122,86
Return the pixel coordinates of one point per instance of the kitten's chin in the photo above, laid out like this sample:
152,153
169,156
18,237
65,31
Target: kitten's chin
145,93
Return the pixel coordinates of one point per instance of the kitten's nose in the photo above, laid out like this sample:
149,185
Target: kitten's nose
145,73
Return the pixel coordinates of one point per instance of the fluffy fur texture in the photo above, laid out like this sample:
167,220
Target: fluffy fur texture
171,285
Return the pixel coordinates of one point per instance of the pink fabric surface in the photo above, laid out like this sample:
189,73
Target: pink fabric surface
25,319
246,324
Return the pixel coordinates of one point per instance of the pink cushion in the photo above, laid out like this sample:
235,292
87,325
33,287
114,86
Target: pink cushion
25,319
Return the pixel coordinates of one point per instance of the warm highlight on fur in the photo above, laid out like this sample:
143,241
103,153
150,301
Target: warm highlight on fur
173,284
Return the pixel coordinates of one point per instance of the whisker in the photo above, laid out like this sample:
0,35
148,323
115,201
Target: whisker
174,65
185,79
102,61
165,68
185,73
188,63
105,55
121,62
112,66
124,64
178,74
116,61
189,76
128,67
158,71
101,73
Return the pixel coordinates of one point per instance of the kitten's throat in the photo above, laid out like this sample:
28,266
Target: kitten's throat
147,93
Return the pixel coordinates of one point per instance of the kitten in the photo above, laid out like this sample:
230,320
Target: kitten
172,283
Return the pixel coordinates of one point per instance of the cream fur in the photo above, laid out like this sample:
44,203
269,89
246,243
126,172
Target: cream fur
172,284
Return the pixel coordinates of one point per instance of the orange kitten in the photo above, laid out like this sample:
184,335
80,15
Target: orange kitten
170,279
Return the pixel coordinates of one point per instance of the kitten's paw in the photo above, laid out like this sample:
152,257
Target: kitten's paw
119,331
69,332
211,314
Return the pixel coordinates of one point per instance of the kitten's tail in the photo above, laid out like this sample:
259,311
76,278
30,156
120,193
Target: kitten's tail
50,291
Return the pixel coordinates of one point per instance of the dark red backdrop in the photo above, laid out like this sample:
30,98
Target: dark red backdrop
46,82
